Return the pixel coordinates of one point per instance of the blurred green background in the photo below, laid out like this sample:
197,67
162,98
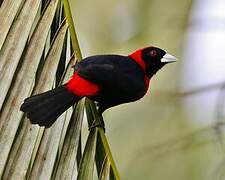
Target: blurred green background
153,138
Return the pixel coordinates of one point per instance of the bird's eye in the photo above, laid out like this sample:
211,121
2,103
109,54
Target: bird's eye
153,53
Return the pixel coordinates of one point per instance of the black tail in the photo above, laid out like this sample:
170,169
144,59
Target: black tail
45,108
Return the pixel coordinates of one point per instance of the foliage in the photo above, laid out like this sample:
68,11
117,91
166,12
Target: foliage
36,55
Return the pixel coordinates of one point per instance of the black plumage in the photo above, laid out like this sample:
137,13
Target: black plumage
108,79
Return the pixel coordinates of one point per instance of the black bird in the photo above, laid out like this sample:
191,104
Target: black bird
108,79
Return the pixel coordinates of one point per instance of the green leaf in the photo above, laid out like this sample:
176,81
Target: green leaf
8,12
67,164
86,168
15,41
20,155
10,115
29,151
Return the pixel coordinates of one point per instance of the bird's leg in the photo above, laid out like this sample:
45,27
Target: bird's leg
99,123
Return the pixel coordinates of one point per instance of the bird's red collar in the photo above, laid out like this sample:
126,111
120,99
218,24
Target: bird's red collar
136,56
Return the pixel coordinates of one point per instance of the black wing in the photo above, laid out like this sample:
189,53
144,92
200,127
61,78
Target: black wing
101,74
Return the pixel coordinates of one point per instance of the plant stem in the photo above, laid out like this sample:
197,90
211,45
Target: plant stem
73,34
108,153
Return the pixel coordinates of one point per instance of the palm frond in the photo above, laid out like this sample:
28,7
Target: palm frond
34,50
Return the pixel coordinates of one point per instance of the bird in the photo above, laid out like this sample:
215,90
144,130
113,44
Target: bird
109,80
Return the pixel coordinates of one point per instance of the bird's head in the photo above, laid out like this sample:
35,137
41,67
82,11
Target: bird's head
152,59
